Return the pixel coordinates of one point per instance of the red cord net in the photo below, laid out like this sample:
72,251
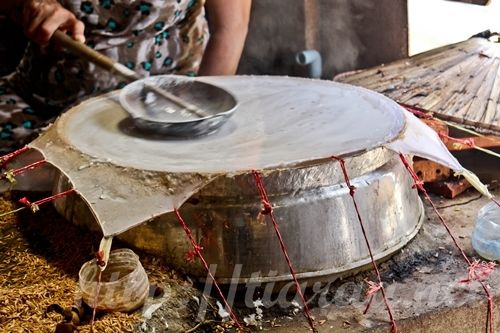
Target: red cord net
267,209
477,271
469,142
373,287
196,248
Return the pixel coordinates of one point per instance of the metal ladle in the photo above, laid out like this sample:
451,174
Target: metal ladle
202,124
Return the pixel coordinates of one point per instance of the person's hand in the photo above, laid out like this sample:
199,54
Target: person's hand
41,18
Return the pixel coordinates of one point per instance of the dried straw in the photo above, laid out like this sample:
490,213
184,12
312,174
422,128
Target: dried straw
40,256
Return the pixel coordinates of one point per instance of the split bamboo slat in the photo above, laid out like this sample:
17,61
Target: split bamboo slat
458,82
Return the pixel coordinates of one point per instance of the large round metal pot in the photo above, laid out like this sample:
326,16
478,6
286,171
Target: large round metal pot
316,217
314,210
285,128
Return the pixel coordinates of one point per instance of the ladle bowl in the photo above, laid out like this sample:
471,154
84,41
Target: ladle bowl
152,113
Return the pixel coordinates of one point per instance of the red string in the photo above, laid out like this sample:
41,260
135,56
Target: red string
373,289
469,142
379,285
496,201
54,197
479,271
99,258
424,114
419,184
191,255
420,113
34,205
28,204
476,271
28,167
96,296
197,249
6,158
268,210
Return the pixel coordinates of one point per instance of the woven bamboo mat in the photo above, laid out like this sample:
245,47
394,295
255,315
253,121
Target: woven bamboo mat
458,82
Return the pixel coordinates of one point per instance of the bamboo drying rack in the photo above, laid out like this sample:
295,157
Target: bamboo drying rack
458,82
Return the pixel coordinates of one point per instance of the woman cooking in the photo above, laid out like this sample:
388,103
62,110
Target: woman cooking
151,37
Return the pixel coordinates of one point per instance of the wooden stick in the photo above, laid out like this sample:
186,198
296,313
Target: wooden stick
111,65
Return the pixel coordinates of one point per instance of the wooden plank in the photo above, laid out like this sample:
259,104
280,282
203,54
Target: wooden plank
493,100
411,75
472,45
453,76
476,111
311,26
462,99
447,83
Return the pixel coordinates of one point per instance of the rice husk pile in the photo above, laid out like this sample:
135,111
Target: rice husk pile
40,256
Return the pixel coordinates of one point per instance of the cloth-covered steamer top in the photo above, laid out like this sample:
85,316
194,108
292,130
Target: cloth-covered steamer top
280,122
127,178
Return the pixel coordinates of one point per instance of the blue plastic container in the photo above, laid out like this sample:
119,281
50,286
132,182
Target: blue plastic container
486,235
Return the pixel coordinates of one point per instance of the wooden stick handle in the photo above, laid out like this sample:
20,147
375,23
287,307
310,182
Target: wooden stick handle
83,50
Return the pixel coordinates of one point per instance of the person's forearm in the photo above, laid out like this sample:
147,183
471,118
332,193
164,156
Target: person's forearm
7,6
228,28
223,52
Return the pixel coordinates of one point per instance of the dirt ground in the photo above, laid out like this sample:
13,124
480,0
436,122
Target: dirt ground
41,254
422,282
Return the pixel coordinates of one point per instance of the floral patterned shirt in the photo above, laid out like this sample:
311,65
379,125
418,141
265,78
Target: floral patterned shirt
148,36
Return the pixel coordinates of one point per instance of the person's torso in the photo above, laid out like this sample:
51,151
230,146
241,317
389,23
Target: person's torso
150,37
120,20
